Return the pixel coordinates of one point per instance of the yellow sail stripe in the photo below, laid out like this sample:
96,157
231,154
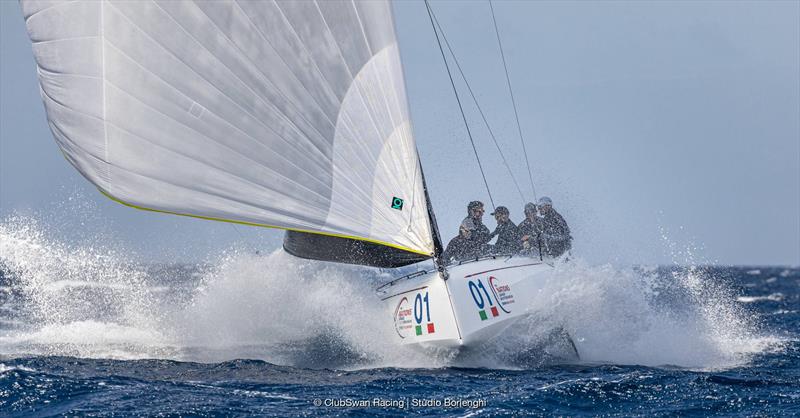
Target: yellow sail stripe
330,234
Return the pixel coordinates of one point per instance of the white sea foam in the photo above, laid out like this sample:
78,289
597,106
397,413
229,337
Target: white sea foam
775,297
623,316
92,302
5,369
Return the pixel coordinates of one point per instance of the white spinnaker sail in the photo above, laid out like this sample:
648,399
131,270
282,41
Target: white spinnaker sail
289,114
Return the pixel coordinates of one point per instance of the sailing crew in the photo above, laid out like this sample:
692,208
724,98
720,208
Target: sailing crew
508,236
480,235
556,238
530,229
462,247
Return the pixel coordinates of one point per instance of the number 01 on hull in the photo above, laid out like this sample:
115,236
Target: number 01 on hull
477,301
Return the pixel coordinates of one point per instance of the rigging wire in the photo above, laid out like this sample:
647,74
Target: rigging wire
460,107
480,110
513,102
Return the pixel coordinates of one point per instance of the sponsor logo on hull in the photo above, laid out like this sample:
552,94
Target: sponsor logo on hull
492,302
414,319
403,318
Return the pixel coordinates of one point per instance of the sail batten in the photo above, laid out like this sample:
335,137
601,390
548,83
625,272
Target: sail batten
278,114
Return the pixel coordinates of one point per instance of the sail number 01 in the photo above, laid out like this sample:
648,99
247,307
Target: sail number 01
476,291
419,309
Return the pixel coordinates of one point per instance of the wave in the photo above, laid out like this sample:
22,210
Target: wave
90,301
774,297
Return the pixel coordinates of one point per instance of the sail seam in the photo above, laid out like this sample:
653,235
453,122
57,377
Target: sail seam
322,77
103,88
204,136
41,70
74,38
266,79
300,82
169,149
366,102
196,113
361,26
333,152
68,141
305,48
187,97
345,122
350,73
256,95
363,99
399,107
378,73
432,227
349,181
284,213
48,8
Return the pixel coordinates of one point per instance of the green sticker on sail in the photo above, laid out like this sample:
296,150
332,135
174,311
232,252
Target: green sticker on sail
397,203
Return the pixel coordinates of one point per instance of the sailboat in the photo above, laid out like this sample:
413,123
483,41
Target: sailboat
277,114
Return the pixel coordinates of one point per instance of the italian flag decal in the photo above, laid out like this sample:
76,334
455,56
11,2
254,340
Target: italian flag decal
430,328
484,316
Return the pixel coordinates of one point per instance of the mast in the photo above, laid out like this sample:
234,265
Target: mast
438,248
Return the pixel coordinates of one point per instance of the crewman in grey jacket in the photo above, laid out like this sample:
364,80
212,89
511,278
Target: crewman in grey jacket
556,238
462,247
508,236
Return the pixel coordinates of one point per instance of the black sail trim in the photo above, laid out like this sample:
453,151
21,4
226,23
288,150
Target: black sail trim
347,250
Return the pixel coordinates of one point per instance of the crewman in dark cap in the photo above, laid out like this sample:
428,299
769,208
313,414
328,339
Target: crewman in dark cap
481,234
531,229
556,238
509,240
462,247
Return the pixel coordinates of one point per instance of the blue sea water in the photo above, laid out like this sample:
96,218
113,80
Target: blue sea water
85,331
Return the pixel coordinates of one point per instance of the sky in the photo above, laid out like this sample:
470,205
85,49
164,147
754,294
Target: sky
663,131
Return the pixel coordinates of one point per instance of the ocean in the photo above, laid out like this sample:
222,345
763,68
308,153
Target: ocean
86,331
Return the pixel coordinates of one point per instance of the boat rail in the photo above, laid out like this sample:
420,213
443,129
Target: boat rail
385,287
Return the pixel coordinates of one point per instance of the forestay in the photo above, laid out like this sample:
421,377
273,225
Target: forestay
283,114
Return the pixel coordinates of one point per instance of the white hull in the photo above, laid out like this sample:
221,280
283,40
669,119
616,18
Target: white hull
477,301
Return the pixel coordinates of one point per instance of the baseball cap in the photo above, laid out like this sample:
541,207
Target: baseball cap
500,210
530,207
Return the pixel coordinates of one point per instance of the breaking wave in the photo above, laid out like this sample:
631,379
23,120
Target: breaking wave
62,298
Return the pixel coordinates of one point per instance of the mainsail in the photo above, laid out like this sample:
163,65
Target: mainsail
287,114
